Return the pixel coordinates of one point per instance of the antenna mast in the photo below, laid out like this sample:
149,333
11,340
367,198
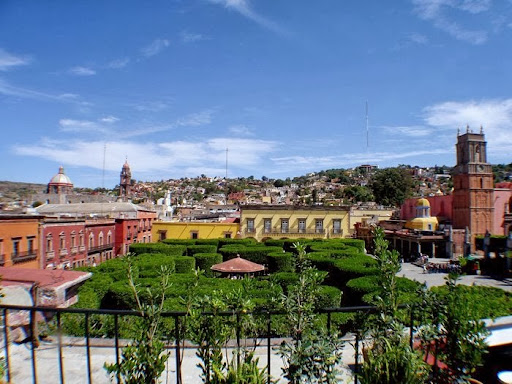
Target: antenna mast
104,156
226,181
367,134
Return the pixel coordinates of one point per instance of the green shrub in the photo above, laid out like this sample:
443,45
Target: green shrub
205,261
246,242
173,250
284,279
256,254
184,264
185,242
356,266
88,298
355,243
208,242
280,262
329,297
193,249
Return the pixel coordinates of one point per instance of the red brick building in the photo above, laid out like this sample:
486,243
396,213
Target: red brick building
63,243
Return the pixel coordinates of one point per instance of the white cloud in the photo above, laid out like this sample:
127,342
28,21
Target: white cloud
9,60
151,157
70,125
118,63
418,38
240,130
151,106
409,131
244,8
196,119
435,11
156,46
11,90
82,71
109,119
494,115
188,37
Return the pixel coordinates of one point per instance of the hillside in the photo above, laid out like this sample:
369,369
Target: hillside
13,191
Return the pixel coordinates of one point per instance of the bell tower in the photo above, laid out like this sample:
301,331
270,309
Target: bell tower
473,185
126,181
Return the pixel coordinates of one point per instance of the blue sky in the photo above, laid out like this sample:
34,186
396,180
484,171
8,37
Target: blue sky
282,84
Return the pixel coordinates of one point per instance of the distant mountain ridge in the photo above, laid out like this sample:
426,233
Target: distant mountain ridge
13,191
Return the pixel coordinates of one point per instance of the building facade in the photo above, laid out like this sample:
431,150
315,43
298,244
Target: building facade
263,222
99,237
63,243
195,229
20,237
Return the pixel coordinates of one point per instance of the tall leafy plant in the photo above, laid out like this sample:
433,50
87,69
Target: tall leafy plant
143,361
311,356
389,359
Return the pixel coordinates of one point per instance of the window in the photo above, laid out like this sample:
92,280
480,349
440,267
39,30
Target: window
319,225
267,225
82,239
100,239
194,235
30,241
16,246
73,239
91,240
336,226
109,238
250,225
62,240
284,225
49,243
302,225
162,235
227,235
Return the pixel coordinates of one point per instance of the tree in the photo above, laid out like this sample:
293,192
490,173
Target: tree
391,186
143,361
357,193
278,183
390,359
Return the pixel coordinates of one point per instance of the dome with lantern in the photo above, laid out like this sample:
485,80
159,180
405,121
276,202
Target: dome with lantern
60,183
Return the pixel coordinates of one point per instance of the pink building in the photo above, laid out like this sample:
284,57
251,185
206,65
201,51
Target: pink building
100,237
63,243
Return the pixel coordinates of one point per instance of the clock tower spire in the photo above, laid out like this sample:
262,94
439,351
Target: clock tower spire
473,189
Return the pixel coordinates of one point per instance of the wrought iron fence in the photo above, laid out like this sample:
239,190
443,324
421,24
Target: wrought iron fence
176,344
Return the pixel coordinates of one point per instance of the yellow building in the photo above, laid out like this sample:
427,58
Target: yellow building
423,221
368,215
162,230
294,222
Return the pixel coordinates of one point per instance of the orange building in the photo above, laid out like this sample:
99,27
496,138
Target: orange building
20,241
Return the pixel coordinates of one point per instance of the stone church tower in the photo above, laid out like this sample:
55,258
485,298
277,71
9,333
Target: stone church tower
473,189
125,184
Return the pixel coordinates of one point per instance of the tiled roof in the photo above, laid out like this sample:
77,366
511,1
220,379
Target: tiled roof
238,265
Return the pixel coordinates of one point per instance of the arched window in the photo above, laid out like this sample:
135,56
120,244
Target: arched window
100,238
109,237
91,240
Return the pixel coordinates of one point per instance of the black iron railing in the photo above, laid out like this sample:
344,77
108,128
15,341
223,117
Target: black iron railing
100,248
19,257
176,344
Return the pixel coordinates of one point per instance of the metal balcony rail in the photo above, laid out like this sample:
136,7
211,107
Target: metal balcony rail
100,248
19,257
176,345
2,260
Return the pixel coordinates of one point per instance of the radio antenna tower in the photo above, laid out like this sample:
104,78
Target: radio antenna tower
104,156
367,132
226,180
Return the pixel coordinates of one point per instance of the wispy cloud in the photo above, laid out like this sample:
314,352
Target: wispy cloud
82,71
240,130
109,119
436,11
196,119
10,90
494,115
244,8
152,106
181,156
9,60
155,47
188,37
118,63
408,131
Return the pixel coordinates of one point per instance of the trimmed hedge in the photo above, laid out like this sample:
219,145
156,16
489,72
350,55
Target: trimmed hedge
208,242
284,279
256,254
193,249
280,262
185,242
329,297
184,264
205,261
173,250
246,242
